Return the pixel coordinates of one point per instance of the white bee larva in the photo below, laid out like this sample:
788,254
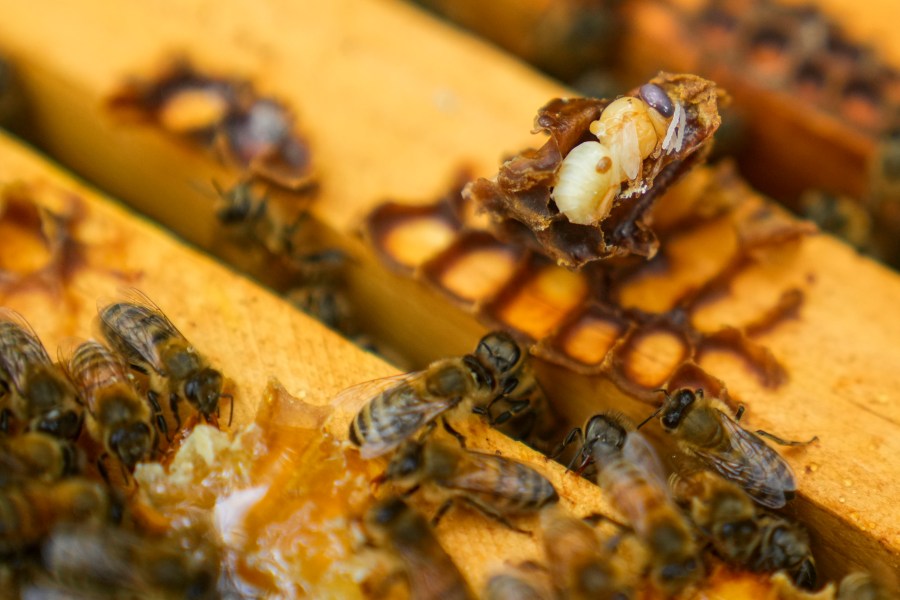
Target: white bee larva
587,181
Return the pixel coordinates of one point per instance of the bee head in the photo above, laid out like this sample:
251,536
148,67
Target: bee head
676,407
738,536
407,461
131,443
63,424
203,390
499,350
674,576
604,435
805,575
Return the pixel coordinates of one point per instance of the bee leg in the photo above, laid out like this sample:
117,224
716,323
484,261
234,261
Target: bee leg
410,491
805,574
157,412
125,474
594,518
441,511
783,442
739,413
514,409
101,468
484,411
173,404
449,429
495,516
576,433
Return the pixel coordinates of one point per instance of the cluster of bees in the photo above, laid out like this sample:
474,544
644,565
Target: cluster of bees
63,531
722,505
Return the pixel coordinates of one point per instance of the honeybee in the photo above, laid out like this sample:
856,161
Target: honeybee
742,534
430,572
704,428
139,331
496,486
95,557
399,407
37,456
784,546
527,416
28,512
629,130
37,392
117,416
630,473
722,511
581,565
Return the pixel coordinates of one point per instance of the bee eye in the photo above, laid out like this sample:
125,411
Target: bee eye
657,99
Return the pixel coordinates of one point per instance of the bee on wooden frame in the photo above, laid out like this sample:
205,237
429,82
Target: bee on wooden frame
496,486
139,331
742,534
117,417
629,471
37,393
399,407
528,416
703,427
92,557
580,563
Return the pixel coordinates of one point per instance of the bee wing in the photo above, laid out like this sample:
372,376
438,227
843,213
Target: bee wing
477,472
141,340
358,395
753,465
18,350
432,573
629,149
406,417
99,366
637,450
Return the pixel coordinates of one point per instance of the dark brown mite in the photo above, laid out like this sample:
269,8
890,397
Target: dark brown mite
657,99
430,573
496,486
704,427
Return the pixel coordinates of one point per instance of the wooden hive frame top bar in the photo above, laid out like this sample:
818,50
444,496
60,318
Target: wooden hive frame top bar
393,103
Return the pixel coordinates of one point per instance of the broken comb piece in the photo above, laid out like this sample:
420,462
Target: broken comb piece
585,194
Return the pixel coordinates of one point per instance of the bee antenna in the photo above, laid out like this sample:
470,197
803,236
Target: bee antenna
655,412
664,391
